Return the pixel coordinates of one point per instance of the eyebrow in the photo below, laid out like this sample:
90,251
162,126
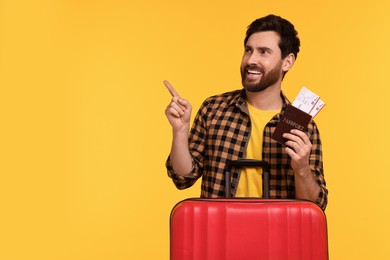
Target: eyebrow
258,48
265,49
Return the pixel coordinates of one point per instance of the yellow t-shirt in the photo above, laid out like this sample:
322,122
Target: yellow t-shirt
250,183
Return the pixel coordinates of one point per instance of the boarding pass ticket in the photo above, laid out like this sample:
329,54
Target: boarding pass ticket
308,102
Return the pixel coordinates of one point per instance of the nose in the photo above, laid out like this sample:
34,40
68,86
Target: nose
253,58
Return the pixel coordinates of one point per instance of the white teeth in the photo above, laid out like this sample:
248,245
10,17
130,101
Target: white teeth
254,72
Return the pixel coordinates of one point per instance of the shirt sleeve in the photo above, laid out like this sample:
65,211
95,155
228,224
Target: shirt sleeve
180,181
316,164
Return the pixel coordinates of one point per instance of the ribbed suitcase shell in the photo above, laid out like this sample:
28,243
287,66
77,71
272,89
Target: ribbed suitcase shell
240,229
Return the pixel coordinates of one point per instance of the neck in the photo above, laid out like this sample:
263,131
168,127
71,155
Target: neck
267,99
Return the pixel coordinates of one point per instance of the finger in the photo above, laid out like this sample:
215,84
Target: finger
179,102
292,138
297,136
291,152
303,136
171,89
177,107
185,105
173,112
293,146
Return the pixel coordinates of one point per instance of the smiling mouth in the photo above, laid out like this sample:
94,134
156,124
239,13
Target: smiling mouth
253,72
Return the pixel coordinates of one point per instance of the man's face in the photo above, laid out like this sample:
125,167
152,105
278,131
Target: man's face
261,65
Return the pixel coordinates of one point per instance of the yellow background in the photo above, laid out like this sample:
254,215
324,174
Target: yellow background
84,137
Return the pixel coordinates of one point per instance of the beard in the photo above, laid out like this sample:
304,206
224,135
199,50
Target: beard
267,79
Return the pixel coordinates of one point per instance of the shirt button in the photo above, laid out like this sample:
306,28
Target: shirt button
245,137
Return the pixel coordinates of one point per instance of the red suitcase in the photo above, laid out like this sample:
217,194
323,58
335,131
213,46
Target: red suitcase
235,229
239,229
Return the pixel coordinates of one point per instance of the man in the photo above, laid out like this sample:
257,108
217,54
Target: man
239,124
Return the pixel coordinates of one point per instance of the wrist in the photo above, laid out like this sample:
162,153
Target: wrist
180,136
304,172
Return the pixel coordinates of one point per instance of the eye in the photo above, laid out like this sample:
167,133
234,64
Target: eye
247,50
265,51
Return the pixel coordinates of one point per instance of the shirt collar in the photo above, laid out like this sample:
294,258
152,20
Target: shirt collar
240,101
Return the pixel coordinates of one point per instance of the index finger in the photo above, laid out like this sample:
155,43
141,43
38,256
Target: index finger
301,134
171,89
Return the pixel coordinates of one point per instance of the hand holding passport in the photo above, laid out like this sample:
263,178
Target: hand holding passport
299,114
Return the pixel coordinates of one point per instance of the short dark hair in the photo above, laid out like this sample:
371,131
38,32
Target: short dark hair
289,41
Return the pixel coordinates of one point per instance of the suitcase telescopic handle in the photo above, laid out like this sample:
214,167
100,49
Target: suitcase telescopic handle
247,163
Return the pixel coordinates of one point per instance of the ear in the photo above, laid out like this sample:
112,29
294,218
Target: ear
288,62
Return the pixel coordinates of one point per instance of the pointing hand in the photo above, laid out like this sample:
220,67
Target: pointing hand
178,111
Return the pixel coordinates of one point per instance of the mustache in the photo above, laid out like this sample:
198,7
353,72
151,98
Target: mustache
253,67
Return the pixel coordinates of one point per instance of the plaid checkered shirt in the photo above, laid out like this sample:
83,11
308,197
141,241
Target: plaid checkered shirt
220,132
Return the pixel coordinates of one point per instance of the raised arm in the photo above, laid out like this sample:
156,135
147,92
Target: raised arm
178,113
